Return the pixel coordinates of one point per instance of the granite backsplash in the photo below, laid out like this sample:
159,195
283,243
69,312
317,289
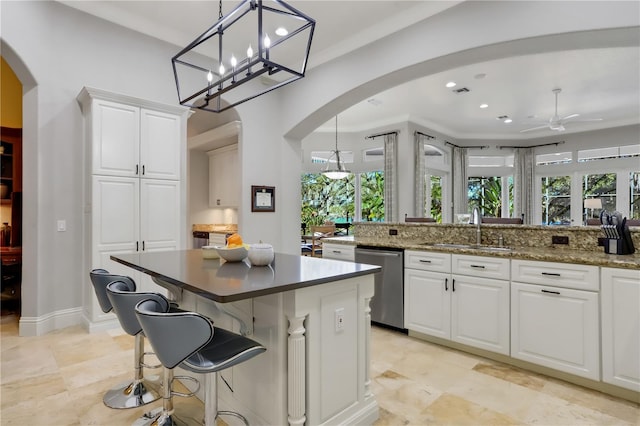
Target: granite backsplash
580,237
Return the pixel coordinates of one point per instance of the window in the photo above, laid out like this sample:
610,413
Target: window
554,158
601,186
488,194
634,198
433,197
626,151
372,196
556,200
325,199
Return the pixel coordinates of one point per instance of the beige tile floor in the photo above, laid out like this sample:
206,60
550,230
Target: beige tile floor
58,379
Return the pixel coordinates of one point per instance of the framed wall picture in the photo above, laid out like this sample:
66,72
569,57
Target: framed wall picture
263,198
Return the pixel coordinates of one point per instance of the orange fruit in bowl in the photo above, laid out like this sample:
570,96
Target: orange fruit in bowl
234,240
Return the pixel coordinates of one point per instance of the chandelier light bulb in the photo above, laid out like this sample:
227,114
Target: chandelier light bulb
221,69
249,52
234,61
210,77
267,41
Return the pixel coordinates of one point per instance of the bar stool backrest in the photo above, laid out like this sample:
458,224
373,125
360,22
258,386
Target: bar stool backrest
173,336
100,278
124,299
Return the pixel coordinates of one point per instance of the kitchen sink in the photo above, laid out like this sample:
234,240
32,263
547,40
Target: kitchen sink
472,247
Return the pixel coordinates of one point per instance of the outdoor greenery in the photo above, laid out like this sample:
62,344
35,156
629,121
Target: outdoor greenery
486,193
325,199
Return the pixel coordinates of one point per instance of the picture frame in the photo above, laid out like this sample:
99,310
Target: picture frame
263,198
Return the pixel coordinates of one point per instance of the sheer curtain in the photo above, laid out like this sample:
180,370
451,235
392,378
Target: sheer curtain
460,185
390,173
524,184
419,174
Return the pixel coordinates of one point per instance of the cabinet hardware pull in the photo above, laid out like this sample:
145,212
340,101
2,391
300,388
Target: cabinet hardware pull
336,251
143,246
550,274
477,266
549,291
136,169
143,170
453,284
137,246
424,261
446,281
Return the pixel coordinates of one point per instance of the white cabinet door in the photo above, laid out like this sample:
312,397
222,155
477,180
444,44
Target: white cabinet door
427,307
159,214
224,179
621,327
159,145
115,132
339,252
556,327
480,313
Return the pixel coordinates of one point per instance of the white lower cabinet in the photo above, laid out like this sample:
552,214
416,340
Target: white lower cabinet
467,309
620,309
339,252
556,327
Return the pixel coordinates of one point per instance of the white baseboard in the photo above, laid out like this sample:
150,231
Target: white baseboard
37,326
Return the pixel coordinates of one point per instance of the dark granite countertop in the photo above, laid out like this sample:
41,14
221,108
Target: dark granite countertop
547,254
223,281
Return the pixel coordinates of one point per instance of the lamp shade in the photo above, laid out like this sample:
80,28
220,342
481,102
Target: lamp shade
592,203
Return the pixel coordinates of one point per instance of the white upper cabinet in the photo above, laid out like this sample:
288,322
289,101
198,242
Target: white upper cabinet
224,177
115,132
159,145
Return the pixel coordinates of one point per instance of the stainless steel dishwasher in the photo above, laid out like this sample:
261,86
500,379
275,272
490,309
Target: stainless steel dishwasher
387,305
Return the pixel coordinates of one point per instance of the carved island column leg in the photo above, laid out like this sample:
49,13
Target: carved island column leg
296,369
367,342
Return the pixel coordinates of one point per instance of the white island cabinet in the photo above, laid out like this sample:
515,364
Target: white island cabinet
338,252
555,316
311,314
620,298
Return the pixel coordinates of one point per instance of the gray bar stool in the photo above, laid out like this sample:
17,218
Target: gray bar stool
134,393
189,340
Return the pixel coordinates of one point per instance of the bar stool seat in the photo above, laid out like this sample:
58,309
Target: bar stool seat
137,392
189,340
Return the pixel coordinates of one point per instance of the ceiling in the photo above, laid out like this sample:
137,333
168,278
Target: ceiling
597,83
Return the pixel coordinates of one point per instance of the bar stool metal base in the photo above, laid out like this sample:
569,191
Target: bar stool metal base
131,394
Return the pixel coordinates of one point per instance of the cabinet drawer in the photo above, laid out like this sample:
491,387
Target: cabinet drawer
338,252
480,266
427,261
580,277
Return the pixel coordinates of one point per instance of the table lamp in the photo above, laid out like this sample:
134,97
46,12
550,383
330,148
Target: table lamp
591,204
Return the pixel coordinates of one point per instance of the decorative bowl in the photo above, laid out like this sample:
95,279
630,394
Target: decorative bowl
210,252
235,254
261,254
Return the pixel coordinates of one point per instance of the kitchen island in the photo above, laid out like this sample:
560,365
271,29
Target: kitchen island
311,314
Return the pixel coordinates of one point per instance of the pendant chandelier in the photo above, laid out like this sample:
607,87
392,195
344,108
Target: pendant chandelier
339,171
271,41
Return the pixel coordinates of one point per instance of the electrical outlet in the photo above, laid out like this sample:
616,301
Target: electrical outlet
393,232
601,241
557,239
339,319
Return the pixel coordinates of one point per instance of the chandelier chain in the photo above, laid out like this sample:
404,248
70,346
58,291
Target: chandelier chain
220,10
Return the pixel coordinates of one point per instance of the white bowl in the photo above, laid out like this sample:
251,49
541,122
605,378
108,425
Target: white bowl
235,254
209,252
260,254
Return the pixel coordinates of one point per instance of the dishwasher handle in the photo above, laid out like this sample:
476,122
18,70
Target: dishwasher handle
379,253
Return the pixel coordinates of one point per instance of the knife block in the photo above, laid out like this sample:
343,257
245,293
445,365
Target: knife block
622,245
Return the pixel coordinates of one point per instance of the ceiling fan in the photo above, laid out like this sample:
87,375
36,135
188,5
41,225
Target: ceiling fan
556,122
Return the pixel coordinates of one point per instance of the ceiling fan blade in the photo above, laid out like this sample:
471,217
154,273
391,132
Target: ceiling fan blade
569,117
584,120
546,126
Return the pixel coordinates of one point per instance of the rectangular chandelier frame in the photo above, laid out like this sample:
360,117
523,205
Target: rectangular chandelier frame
209,96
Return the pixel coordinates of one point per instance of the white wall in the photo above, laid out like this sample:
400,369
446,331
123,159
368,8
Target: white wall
61,50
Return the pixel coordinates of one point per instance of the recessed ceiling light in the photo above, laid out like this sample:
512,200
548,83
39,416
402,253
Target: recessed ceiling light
451,84
281,31
508,120
484,106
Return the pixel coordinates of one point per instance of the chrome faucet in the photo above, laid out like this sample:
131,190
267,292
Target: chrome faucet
477,220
